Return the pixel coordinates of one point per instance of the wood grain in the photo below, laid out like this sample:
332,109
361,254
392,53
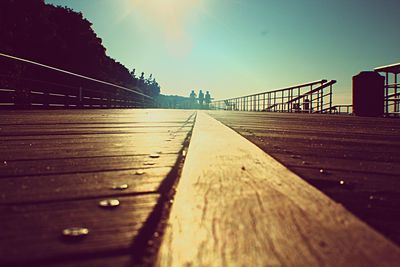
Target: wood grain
36,229
360,158
55,167
237,206
46,188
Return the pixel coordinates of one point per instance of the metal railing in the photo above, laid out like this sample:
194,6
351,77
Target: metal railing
312,97
392,86
27,84
340,109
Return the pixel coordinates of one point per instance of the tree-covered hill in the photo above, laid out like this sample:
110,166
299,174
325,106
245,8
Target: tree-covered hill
63,38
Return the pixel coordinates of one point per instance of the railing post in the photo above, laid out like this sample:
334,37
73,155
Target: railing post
80,97
22,98
322,100
396,104
330,98
46,98
387,92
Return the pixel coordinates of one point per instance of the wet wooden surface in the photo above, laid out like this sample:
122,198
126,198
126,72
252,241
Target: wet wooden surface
237,206
354,160
55,168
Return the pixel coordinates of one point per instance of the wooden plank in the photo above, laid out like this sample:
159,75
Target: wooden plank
45,188
357,155
80,151
56,166
235,205
99,261
81,137
34,232
37,131
83,164
96,115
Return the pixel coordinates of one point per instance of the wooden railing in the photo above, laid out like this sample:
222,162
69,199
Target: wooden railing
27,84
312,97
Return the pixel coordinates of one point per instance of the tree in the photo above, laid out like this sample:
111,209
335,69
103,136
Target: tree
59,37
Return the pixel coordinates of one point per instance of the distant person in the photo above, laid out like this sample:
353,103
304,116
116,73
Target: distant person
306,105
201,98
208,99
192,99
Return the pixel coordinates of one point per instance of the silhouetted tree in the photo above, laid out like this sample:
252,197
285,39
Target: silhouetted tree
59,37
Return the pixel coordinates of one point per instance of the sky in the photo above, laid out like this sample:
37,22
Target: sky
239,47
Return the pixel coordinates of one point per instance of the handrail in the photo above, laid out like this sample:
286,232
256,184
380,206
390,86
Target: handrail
74,74
326,84
392,68
304,97
281,89
338,108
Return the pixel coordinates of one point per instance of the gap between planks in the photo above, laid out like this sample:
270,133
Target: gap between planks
237,206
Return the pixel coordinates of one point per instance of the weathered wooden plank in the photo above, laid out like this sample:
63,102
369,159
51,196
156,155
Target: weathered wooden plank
34,232
57,165
37,131
83,164
97,115
42,188
356,155
87,151
124,260
83,137
90,125
237,206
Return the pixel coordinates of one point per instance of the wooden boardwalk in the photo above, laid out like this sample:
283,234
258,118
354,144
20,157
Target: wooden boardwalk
57,166
235,205
354,160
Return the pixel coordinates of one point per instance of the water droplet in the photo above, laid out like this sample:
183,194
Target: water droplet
341,182
322,171
304,163
184,153
139,172
48,168
5,163
156,234
377,198
109,203
120,187
75,232
154,155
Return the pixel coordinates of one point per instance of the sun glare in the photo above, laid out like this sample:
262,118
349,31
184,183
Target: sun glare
171,17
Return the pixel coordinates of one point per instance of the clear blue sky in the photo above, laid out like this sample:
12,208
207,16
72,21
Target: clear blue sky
238,47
